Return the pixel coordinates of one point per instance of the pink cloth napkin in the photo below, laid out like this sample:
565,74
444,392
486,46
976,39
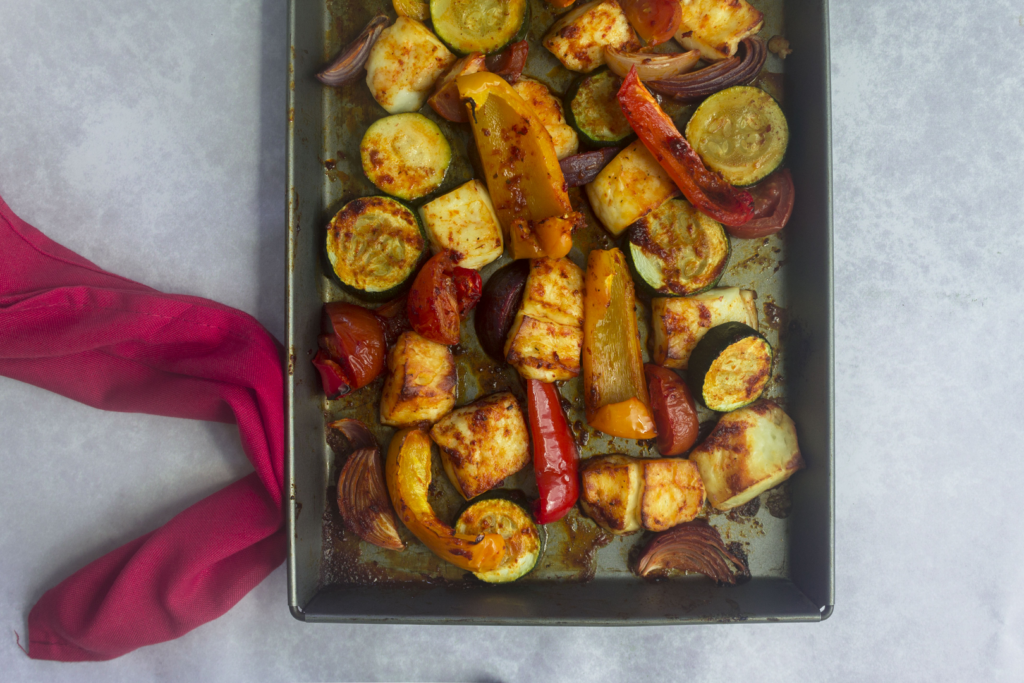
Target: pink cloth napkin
70,327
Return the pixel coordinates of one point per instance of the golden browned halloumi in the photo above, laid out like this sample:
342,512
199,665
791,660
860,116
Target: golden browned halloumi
482,443
549,110
578,39
678,323
632,185
610,492
716,27
464,223
404,64
554,291
673,493
421,382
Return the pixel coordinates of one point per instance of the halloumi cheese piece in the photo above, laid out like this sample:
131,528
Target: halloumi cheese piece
554,291
673,493
749,451
632,185
482,443
716,27
404,64
578,39
543,350
464,223
610,491
421,382
549,110
680,322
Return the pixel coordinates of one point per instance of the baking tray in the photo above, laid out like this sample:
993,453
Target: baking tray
583,578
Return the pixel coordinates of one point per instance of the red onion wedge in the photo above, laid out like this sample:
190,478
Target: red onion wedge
696,85
498,306
693,547
580,169
348,65
650,66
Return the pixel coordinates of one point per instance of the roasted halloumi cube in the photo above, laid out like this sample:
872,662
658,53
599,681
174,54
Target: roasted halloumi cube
549,110
483,443
673,493
421,382
632,185
554,291
610,492
749,451
543,350
464,223
404,64
716,27
680,322
578,39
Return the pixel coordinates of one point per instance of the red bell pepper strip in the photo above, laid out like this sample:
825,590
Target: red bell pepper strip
555,459
675,413
704,188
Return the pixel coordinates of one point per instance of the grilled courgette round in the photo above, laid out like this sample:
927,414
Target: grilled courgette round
513,523
405,155
485,26
676,250
740,132
592,108
730,367
375,245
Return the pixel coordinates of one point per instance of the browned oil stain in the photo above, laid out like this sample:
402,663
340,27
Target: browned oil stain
584,539
779,502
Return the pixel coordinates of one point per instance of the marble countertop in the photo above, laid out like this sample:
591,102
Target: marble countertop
149,137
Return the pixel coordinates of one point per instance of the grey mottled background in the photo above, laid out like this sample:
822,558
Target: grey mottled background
149,137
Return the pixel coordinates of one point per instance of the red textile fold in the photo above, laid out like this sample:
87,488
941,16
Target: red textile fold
70,327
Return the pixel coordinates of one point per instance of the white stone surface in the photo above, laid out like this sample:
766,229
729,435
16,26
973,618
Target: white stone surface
149,137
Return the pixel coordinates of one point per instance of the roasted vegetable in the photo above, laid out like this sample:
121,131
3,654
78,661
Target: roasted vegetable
499,304
680,322
706,190
362,492
468,289
555,457
352,349
549,111
405,155
408,478
349,63
445,100
414,9
650,66
773,205
523,177
580,169
594,111
654,20
547,333
433,306
739,132
730,367
479,25
510,62
523,542
421,382
694,86
691,547
716,27
632,185
482,443
404,64
623,494
578,39
677,250
374,245
464,224
750,451
614,388
675,412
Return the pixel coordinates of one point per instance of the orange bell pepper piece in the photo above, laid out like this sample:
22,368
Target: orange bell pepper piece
614,386
407,472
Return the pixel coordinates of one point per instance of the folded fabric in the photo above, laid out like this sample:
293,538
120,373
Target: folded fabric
70,327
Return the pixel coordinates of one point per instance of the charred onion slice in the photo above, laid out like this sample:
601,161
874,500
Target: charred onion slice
650,66
692,547
349,63
363,499
697,85
580,169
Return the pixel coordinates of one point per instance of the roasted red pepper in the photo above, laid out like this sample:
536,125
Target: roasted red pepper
509,63
655,20
352,349
675,413
555,459
433,308
704,188
469,286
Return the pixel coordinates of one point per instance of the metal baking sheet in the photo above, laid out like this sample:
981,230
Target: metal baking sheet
583,577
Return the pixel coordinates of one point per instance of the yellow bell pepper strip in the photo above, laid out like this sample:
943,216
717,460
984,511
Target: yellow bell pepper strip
614,386
407,472
523,175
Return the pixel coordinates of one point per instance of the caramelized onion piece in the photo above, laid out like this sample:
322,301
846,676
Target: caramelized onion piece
510,62
650,66
693,547
349,63
696,85
363,498
580,169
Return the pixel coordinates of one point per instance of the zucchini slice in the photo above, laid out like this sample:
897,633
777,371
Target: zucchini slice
405,155
375,245
676,250
592,108
730,367
740,132
485,26
522,540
